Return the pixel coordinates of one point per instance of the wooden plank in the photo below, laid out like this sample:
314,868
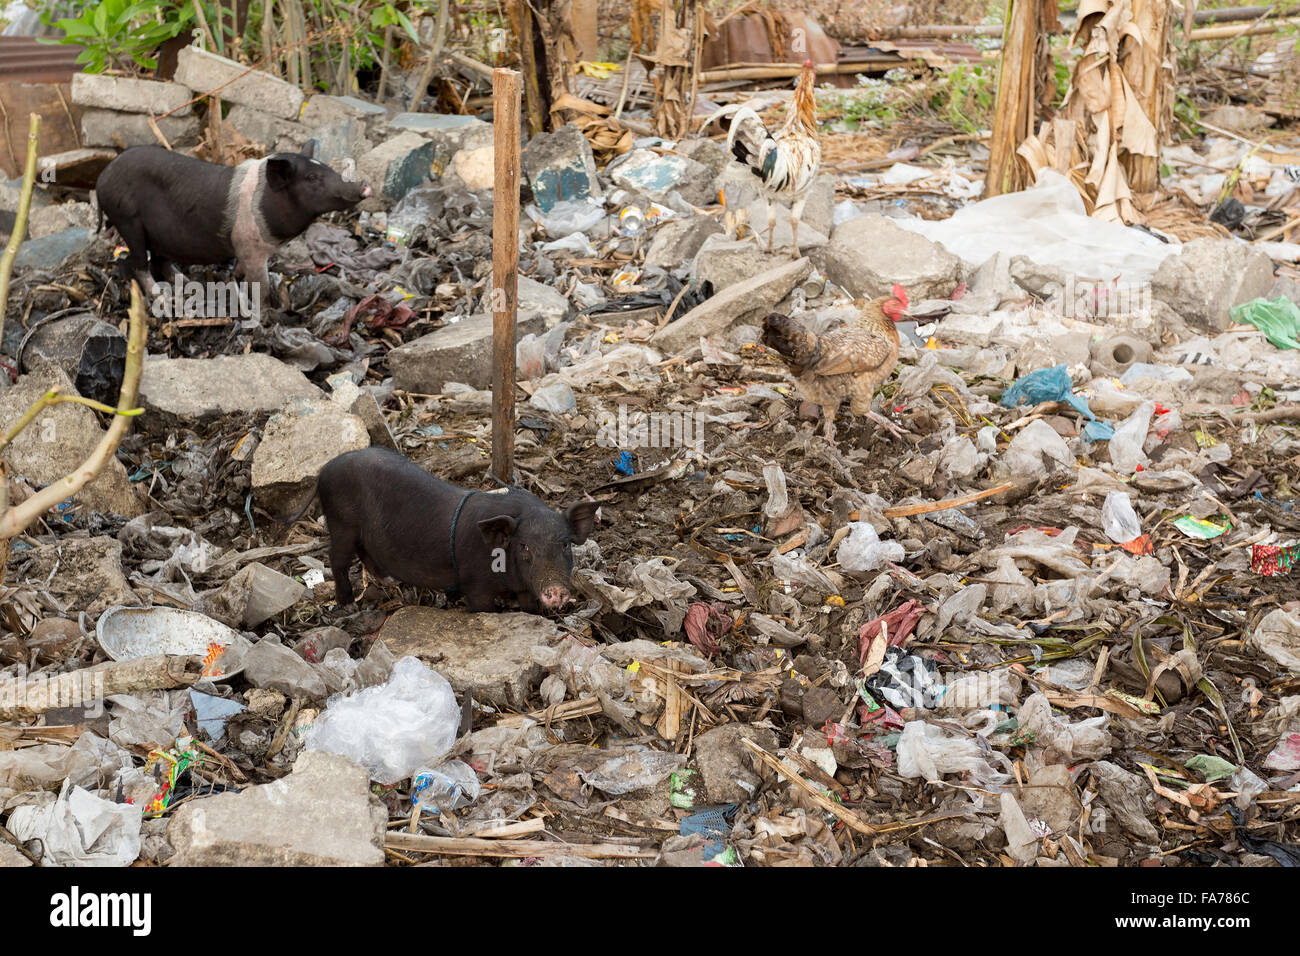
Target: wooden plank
470,846
505,268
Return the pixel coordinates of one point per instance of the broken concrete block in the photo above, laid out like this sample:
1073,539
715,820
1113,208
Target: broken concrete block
709,153
476,168
297,442
124,130
539,297
396,167
50,252
461,352
90,351
75,168
487,655
266,128
726,766
59,439
341,140
868,255
783,233
819,206
84,574
322,814
254,595
48,220
746,301
655,175
560,166
202,72
129,94
724,262
321,109
1210,276
677,241
190,389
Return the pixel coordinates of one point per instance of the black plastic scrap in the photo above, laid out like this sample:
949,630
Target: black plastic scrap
1285,854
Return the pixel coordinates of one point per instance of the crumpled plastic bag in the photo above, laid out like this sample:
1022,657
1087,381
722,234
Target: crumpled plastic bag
1126,446
930,752
635,767
1085,740
81,829
87,761
1279,320
1278,635
863,550
395,728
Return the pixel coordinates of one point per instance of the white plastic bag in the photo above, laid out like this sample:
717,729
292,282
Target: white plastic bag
1126,446
930,752
392,729
1118,519
863,550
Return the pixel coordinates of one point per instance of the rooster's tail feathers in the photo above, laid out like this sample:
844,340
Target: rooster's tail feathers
788,337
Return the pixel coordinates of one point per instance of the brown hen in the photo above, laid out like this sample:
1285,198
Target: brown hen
847,362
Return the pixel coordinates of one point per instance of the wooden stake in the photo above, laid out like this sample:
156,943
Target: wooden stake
20,217
505,268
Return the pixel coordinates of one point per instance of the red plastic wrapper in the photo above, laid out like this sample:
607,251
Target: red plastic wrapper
1271,559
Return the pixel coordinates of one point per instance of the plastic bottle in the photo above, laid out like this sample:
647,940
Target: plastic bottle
451,786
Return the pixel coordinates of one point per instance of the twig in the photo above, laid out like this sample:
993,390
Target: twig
906,511
53,397
16,519
470,846
850,817
20,217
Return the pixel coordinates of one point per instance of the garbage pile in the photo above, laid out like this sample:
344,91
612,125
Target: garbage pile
1054,624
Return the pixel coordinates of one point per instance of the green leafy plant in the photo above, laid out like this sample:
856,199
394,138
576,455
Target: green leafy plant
121,33
965,97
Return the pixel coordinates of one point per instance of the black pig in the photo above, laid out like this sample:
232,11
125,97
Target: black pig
169,208
403,523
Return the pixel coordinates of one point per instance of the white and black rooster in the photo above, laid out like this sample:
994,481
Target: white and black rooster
786,161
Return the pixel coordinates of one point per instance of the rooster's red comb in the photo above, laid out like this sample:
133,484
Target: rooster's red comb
900,294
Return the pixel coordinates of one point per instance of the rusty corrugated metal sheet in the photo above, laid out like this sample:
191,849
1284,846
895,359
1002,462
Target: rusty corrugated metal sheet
25,60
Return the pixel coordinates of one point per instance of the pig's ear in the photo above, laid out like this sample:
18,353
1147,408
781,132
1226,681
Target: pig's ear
497,531
581,516
309,150
279,172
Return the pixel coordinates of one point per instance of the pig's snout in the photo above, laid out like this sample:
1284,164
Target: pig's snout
365,190
554,597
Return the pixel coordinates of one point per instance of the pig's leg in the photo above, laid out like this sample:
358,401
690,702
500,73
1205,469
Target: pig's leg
136,264
479,599
253,269
342,550
528,602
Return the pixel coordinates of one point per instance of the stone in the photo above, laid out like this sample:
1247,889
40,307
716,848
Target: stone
321,109
677,241
539,297
45,221
1069,348
819,206
270,665
397,166
560,166
297,442
11,857
476,168
724,262
75,168
190,389
128,94
866,256
90,351
656,175
338,143
322,814
746,301
59,439
1241,119
1115,354
709,153
254,595
1210,276
84,574
1050,798
50,252
266,128
460,352
487,655
202,72
123,130
451,135
782,234
726,765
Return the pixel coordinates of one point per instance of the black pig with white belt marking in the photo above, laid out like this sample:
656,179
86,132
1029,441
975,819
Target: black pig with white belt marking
405,524
173,209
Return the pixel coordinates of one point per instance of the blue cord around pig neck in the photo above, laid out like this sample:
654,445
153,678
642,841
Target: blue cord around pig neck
454,518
